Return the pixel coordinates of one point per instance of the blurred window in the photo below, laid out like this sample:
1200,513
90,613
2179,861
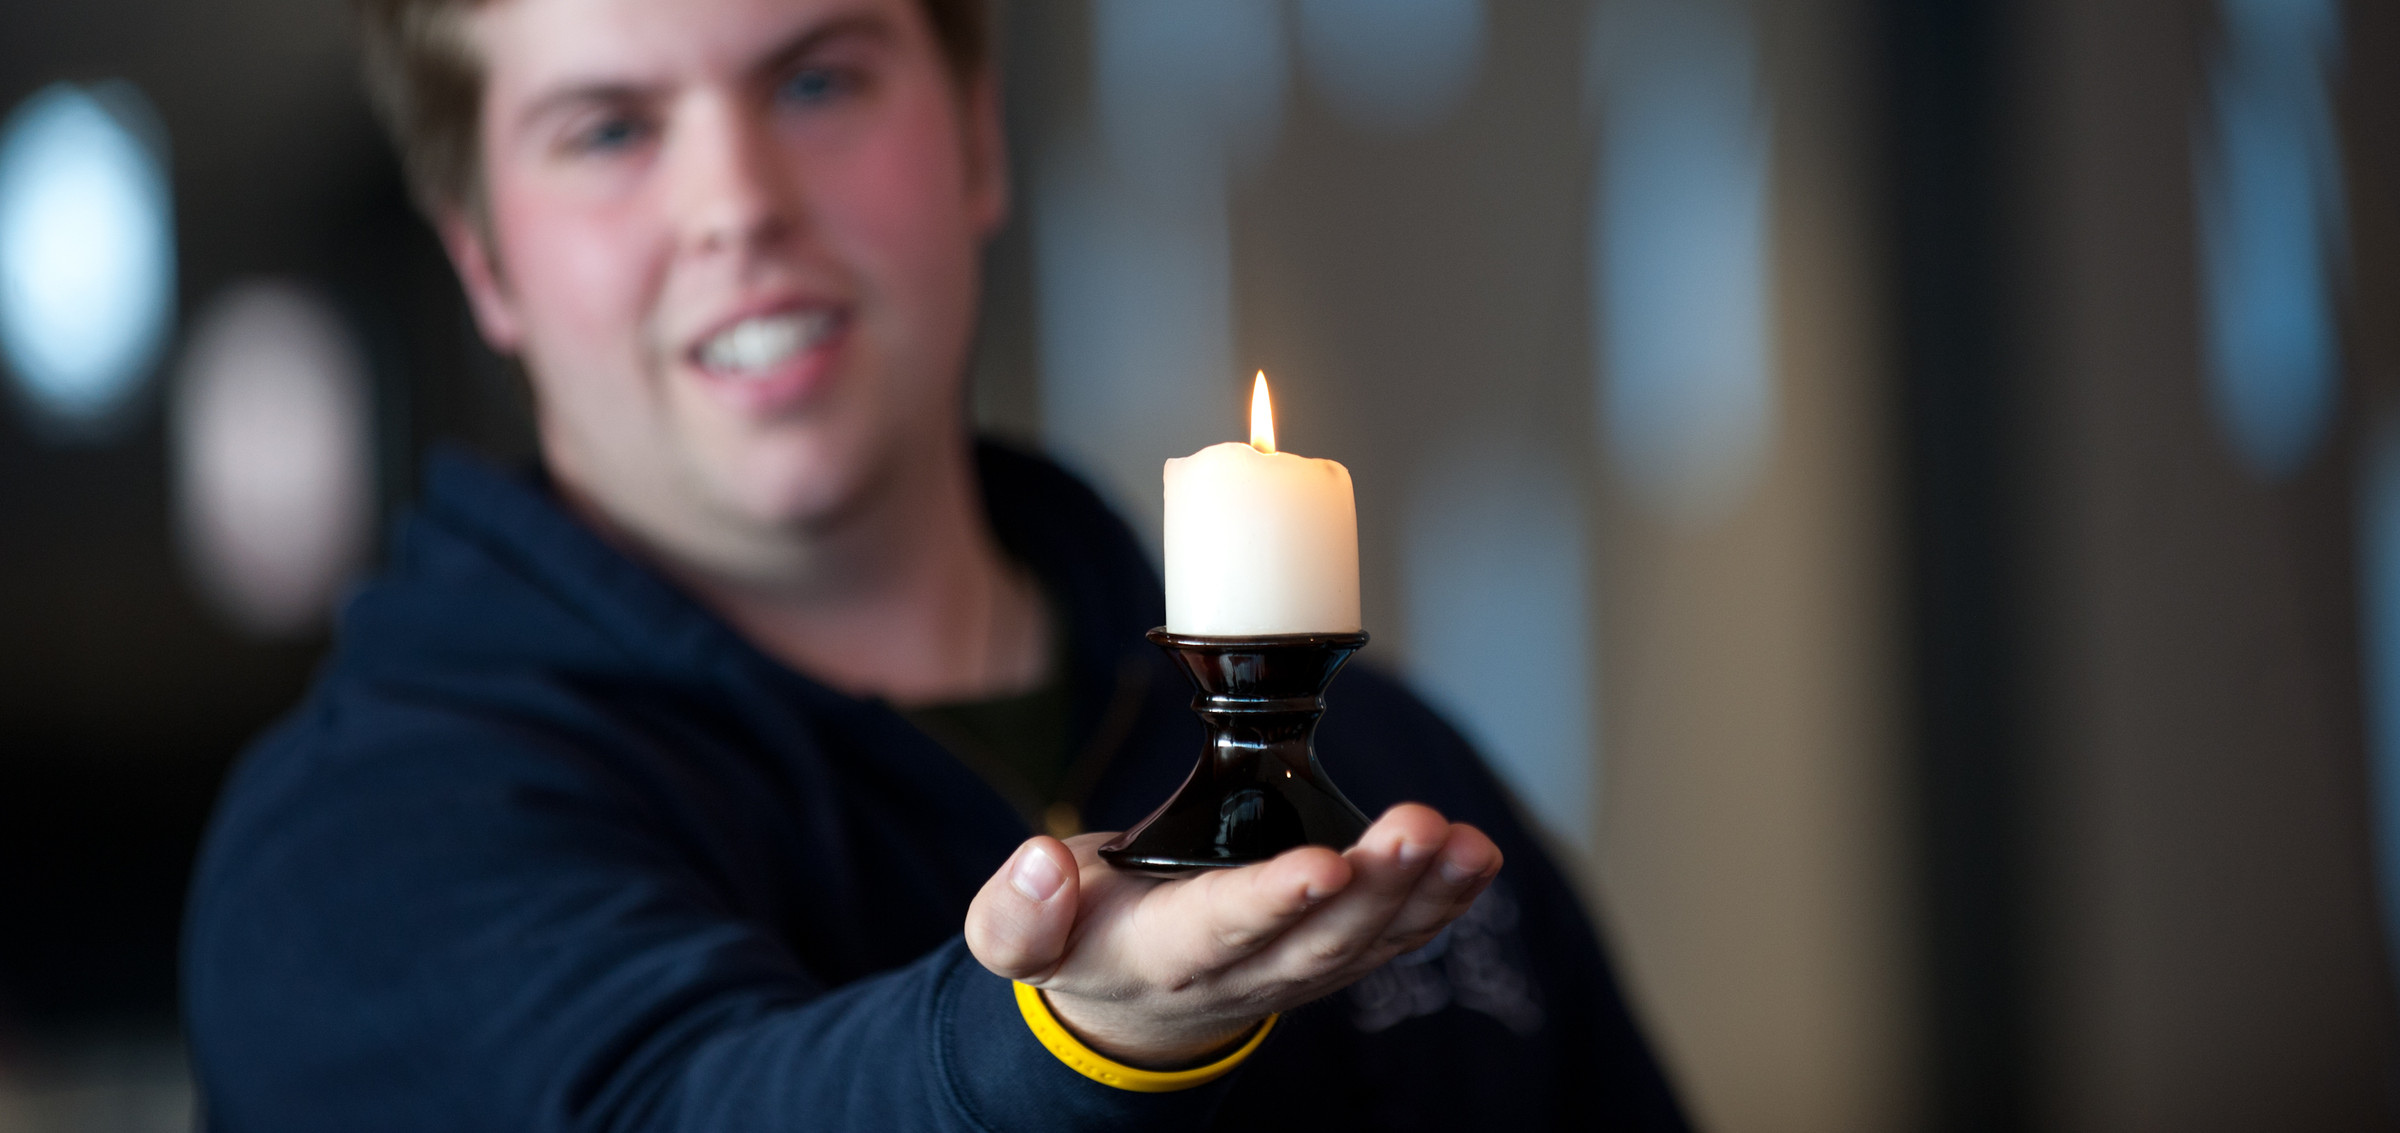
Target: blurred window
1391,65
1679,249
2268,186
1133,239
1493,562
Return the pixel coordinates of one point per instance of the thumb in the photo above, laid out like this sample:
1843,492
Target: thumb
1018,924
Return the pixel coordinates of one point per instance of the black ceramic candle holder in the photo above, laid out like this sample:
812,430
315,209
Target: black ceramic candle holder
1257,790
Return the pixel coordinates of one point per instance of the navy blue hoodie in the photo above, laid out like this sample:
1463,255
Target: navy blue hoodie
549,847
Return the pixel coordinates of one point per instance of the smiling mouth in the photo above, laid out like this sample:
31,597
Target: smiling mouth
756,346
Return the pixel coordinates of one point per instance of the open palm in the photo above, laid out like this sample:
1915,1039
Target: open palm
1157,970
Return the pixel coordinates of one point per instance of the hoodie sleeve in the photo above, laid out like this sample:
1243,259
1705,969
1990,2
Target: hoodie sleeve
409,917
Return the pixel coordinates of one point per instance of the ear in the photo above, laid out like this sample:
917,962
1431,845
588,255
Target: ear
478,269
987,155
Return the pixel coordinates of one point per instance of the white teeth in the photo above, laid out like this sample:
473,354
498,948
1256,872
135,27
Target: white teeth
756,344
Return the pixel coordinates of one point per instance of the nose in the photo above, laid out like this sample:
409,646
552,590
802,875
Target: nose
727,189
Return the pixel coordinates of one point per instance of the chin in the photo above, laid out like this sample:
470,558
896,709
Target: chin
797,481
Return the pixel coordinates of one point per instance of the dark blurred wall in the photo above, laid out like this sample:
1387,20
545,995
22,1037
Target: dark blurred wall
2208,955
123,699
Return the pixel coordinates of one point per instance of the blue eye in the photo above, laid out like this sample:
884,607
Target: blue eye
609,134
815,85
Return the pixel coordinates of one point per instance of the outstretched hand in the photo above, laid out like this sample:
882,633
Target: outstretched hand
1152,971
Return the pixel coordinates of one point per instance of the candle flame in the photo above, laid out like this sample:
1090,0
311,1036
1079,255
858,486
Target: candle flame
1262,416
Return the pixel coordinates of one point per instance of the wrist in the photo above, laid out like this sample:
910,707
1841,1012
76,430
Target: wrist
1138,1040
1082,1059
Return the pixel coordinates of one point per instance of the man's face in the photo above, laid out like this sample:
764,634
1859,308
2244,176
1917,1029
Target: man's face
735,243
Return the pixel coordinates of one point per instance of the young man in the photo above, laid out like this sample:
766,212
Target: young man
620,804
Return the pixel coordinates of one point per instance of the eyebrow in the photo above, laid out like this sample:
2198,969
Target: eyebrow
852,25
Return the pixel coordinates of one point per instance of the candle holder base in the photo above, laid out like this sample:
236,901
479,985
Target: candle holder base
1257,789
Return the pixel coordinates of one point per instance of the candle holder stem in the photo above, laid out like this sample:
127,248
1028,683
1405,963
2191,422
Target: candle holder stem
1257,789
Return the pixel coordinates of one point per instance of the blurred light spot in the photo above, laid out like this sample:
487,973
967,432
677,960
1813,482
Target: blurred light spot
1493,570
2269,202
87,250
1679,249
1132,240
2379,573
1392,64
273,457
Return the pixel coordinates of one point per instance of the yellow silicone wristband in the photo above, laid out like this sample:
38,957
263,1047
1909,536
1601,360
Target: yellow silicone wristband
1108,1072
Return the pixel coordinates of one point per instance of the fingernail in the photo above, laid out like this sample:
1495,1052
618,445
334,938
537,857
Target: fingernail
1036,876
1456,872
1412,853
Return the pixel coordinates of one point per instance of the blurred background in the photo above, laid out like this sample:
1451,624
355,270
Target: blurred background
1906,491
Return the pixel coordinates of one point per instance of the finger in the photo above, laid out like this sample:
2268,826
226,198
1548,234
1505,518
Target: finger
1468,862
1239,911
1387,862
1086,848
1019,923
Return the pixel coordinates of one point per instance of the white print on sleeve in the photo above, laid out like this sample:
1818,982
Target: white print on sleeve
1476,963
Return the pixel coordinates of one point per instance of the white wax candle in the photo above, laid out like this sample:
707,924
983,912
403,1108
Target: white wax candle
1259,541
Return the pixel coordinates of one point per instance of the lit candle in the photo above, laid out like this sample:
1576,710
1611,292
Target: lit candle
1260,541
